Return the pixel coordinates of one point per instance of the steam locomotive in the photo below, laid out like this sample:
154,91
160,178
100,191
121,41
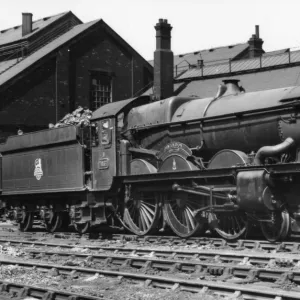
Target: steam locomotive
223,163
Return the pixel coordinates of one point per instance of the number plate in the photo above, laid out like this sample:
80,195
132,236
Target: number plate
103,163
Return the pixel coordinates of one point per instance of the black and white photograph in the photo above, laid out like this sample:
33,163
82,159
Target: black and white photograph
149,150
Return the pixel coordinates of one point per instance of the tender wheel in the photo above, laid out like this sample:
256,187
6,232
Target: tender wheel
54,223
142,212
278,227
231,226
178,210
82,227
26,222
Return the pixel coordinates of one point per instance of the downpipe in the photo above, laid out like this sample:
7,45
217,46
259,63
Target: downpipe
268,151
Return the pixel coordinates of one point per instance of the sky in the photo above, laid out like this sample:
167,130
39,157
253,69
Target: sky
197,24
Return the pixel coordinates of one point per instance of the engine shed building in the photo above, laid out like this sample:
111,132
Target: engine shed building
50,66
198,73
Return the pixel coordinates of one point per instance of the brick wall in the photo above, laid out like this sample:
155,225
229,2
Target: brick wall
30,102
100,52
62,82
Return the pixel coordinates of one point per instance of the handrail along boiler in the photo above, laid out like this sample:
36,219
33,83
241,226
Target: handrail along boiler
223,162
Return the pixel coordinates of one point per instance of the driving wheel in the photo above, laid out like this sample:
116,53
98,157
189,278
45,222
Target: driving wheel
178,211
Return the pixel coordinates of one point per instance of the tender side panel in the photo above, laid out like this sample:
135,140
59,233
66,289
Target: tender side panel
55,169
40,138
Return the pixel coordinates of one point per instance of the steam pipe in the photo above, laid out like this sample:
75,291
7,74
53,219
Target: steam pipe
272,150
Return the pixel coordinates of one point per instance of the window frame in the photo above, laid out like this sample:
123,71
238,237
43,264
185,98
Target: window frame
93,75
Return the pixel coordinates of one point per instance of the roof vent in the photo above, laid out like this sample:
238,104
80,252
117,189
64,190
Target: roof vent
47,18
181,55
197,52
211,50
230,47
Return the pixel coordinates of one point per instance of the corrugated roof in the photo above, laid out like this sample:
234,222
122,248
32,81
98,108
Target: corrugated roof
242,65
251,82
209,56
28,61
15,33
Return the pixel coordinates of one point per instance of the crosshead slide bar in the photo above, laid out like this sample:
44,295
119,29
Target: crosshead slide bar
195,286
193,266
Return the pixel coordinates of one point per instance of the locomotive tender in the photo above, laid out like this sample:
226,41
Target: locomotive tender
223,162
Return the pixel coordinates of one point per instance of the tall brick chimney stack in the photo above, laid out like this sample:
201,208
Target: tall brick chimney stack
163,61
26,23
255,44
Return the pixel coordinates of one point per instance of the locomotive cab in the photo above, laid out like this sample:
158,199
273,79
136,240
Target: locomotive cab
109,120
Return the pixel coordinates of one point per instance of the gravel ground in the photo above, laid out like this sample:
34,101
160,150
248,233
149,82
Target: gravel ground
103,287
93,285
97,285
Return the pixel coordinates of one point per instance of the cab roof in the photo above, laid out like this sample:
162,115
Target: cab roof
114,108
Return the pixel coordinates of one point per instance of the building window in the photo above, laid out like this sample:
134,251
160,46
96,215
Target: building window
100,90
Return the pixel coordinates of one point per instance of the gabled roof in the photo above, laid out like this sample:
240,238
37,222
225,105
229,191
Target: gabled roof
42,52
12,68
14,34
209,56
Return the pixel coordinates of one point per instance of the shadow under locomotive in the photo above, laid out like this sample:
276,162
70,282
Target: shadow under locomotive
223,163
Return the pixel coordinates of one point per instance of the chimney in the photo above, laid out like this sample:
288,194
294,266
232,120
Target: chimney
255,44
163,61
26,23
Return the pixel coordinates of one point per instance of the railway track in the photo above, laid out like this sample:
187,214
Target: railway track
200,255
292,245
170,282
213,243
21,291
228,270
218,267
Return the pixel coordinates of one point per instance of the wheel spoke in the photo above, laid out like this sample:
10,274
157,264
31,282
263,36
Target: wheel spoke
145,217
229,227
278,226
142,219
178,209
190,217
146,212
149,210
142,213
148,204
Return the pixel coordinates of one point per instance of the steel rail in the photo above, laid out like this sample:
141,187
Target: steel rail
287,246
193,255
194,265
38,292
248,292
202,253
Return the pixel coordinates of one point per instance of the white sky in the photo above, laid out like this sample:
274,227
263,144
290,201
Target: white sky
197,24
